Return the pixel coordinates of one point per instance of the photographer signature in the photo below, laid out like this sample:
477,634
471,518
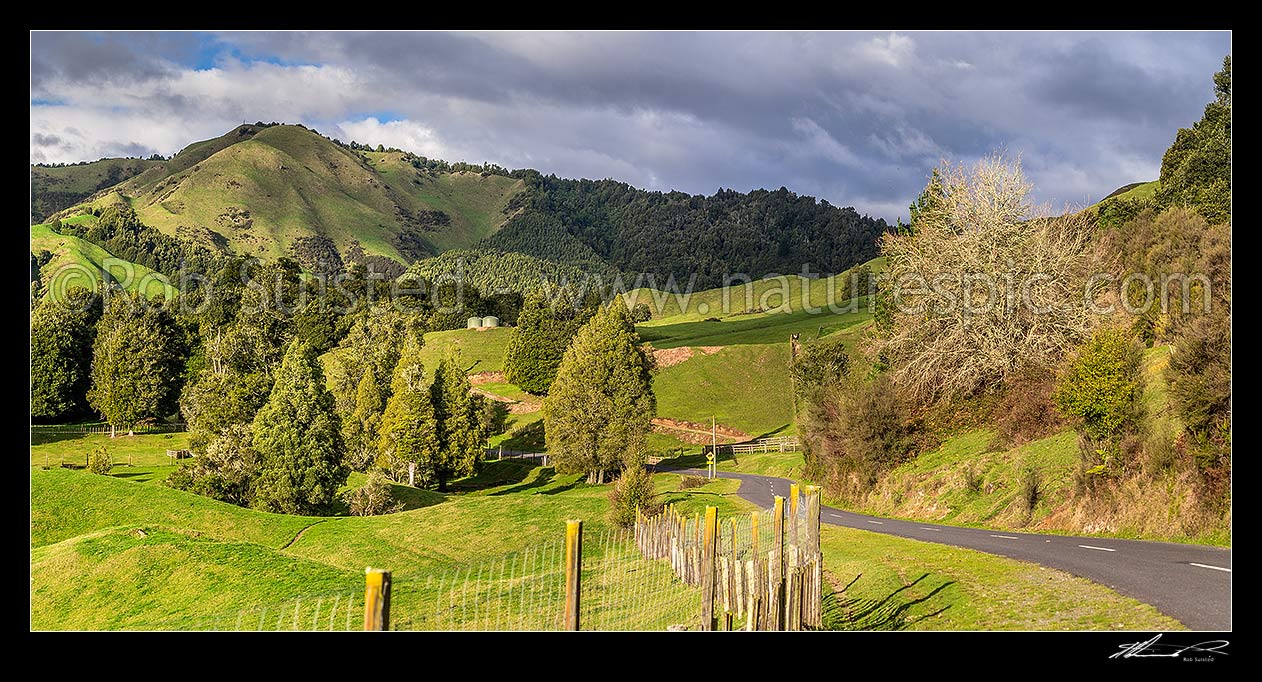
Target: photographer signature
1153,649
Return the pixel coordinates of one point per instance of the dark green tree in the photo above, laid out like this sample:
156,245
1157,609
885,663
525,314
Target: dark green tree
539,341
362,430
298,439
597,415
409,443
1196,170
460,430
136,361
927,206
61,351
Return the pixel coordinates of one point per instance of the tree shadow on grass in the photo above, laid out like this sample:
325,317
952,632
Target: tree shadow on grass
894,611
545,476
495,474
560,489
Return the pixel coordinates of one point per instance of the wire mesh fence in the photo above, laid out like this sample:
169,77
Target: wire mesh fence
333,612
619,589
757,571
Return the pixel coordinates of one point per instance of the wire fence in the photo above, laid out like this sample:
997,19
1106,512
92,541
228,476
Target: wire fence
332,612
670,571
88,429
620,589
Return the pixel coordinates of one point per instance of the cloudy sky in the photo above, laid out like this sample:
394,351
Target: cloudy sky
856,118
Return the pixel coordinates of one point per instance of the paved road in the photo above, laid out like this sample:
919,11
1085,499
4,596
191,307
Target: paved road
1189,582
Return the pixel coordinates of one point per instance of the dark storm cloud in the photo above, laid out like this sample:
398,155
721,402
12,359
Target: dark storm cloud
78,57
859,119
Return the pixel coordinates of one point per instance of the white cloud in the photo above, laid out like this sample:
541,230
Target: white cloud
402,134
895,50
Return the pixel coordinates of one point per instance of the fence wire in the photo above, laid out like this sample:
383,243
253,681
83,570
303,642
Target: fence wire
333,612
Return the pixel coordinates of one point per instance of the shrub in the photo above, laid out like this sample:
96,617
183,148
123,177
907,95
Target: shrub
1026,410
818,364
641,313
1100,389
1200,381
1031,488
855,433
689,482
632,491
374,497
973,480
99,461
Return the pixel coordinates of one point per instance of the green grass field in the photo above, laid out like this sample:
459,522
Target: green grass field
746,387
786,294
481,351
109,552
77,262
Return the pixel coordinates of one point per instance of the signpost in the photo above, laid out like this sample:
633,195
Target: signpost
710,465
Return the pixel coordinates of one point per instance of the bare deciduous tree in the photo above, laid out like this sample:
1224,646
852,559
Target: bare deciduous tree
984,285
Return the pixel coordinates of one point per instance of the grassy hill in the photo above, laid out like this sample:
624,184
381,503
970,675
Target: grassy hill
264,189
56,188
972,479
111,553
1135,190
76,262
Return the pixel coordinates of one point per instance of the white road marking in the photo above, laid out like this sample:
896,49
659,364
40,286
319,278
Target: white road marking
876,522
1101,549
1005,537
1216,568
936,530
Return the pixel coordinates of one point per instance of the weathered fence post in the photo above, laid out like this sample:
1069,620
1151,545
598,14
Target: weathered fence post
775,569
708,542
573,571
376,599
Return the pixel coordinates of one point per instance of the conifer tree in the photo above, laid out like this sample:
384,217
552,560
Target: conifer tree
298,439
597,414
409,443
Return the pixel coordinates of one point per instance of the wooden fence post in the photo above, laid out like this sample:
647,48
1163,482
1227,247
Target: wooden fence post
573,571
775,571
708,542
376,599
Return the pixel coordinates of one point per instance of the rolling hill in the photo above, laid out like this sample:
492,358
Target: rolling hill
281,190
276,190
67,261
56,188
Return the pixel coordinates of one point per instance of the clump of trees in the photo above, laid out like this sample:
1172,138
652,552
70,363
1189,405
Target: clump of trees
597,414
432,430
62,337
1196,169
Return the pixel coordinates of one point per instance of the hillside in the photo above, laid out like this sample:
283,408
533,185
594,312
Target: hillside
66,261
56,188
284,190
281,190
